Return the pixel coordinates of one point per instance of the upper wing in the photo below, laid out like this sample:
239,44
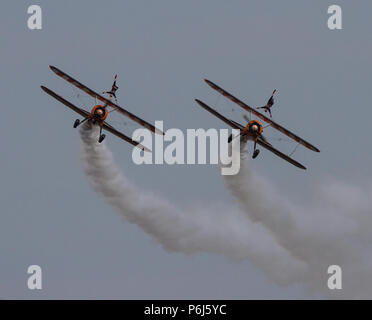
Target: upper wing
261,116
280,154
106,101
82,112
231,123
86,114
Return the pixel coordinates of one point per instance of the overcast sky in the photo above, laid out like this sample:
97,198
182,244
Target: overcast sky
162,51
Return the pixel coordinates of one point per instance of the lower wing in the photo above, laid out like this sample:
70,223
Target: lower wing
280,154
231,123
120,135
82,112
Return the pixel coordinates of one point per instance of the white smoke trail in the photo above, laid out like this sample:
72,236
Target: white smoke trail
292,244
219,230
336,230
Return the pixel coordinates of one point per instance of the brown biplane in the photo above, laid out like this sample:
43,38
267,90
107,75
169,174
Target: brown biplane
99,113
254,128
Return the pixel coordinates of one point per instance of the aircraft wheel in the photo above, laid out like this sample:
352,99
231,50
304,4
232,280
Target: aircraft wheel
255,153
76,123
101,138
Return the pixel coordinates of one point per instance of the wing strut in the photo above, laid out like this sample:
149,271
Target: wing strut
280,154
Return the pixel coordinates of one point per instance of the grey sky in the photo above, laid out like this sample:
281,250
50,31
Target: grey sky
162,51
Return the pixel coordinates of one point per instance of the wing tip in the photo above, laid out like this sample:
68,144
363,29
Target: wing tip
298,165
311,147
158,131
54,69
200,103
45,89
143,148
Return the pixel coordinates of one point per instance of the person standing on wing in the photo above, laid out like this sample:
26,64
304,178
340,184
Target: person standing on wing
269,104
114,87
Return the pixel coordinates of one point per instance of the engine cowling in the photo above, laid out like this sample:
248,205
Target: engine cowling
255,127
99,112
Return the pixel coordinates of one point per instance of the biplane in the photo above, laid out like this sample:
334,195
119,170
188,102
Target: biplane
99,112
254,128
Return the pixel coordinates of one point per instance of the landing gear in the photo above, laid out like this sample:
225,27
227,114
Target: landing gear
101,138
78,122
255,152
101,135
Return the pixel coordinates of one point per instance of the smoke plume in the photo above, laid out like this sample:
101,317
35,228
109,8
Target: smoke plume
335,229
218,229
290,243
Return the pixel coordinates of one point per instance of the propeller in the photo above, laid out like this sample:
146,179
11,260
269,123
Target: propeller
245,117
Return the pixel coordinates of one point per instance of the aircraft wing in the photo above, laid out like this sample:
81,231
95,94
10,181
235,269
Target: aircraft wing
115,132
261,116
94,94
82,112
231,123
280,154
86,114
